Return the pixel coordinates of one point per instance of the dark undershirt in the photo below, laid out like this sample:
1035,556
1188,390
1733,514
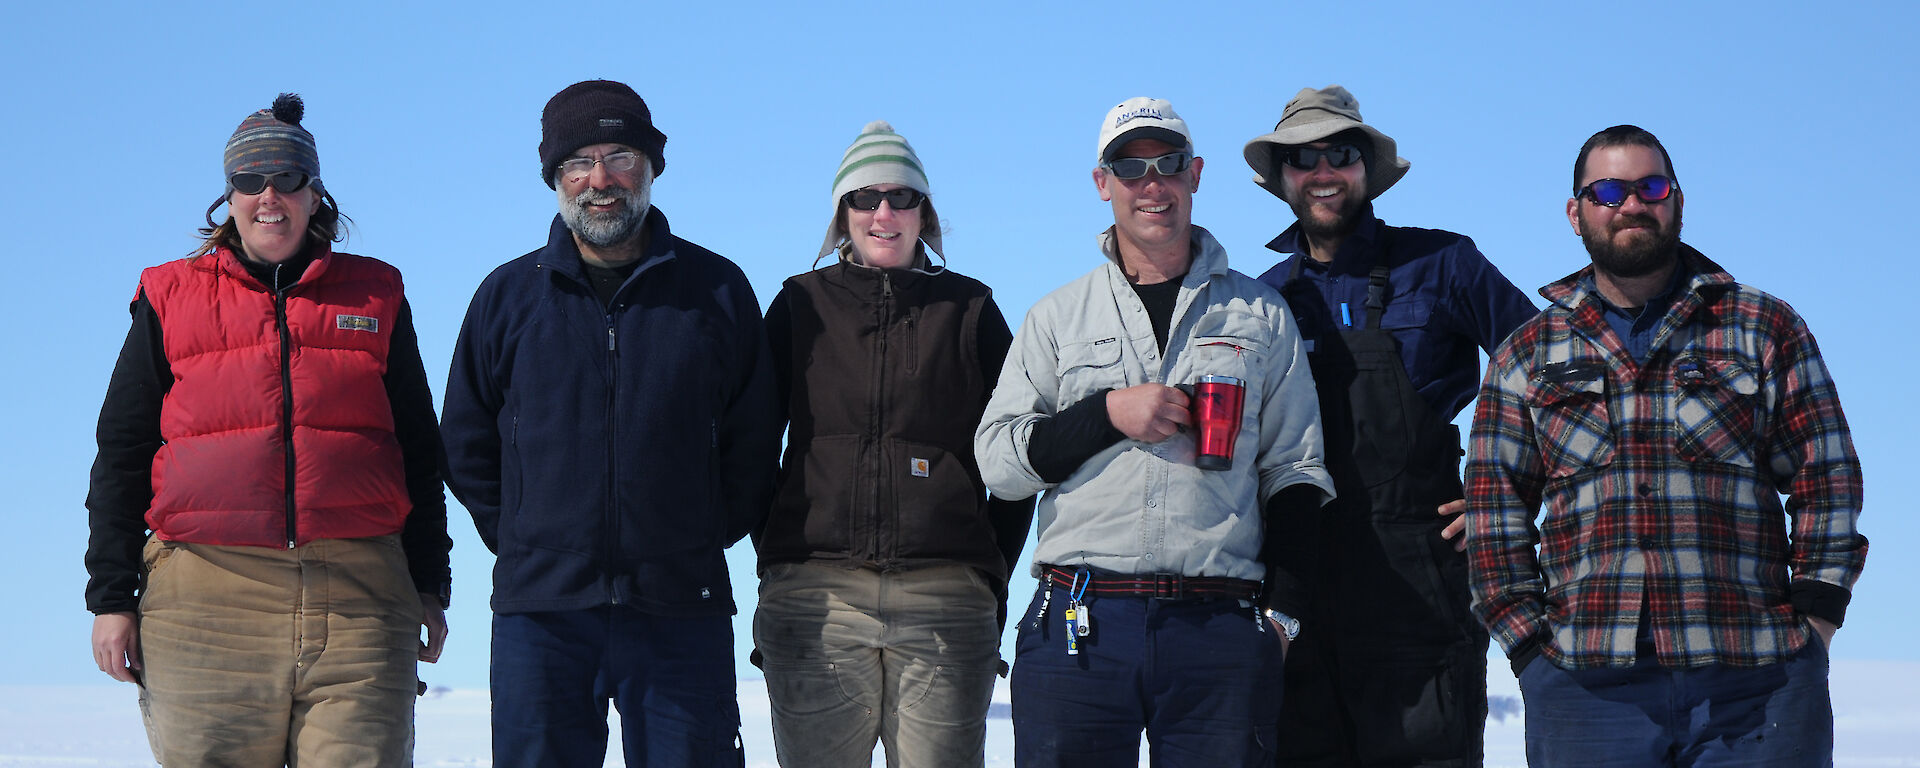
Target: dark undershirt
606,281
1159,299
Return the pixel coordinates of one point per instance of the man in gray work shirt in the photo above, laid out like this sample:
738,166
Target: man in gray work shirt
1153,572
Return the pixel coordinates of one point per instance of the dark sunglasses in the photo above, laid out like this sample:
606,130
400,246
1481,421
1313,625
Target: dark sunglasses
284,182
1130,168
1612,193
1306,158
901,199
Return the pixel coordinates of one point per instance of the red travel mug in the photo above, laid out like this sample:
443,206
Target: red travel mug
1217,401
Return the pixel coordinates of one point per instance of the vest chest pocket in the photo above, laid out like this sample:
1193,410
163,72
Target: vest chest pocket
1570,419
1715,410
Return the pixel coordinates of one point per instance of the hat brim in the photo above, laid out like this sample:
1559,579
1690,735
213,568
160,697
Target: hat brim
1166,136
1381,176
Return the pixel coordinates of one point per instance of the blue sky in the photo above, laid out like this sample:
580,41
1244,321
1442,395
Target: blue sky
1788,127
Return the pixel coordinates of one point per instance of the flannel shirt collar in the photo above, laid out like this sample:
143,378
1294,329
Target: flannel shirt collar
1572,291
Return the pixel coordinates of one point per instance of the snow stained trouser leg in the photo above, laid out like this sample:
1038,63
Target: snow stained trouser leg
263,656
857,656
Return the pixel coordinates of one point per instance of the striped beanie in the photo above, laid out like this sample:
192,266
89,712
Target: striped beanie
271,141
879,156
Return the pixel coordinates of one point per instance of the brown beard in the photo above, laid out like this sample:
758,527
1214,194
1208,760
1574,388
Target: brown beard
1343,221
1639,258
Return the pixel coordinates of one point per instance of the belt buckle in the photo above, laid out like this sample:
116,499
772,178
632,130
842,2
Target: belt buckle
1169,586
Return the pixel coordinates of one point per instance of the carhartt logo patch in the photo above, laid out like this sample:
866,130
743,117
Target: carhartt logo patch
357,323
922,468
612,122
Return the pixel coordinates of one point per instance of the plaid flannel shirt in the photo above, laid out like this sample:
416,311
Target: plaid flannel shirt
1662,482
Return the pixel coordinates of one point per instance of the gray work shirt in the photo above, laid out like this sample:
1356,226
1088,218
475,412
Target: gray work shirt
1144,507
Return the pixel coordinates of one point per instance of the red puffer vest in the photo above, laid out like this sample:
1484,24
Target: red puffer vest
276,393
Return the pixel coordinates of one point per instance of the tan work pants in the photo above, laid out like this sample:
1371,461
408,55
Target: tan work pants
258,656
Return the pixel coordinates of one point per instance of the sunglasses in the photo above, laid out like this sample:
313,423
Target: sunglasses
901,199
1307,158
1130,168
284,182
1612,193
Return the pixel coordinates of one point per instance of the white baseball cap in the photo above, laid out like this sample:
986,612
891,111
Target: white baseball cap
1141,118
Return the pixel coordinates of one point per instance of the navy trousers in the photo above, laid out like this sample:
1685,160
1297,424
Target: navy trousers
671,679
1778,715
1201,677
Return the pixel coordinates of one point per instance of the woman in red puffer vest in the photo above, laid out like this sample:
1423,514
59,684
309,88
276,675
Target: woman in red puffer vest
268,526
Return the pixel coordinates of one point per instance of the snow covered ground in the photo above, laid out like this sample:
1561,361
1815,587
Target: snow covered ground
1876,723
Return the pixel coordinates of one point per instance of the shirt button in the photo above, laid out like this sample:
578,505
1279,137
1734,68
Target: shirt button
1645,489
1646,542
1149,556
1152,503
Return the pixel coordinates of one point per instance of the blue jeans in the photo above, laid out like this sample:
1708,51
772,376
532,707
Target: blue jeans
1202,677
1647,715
670,677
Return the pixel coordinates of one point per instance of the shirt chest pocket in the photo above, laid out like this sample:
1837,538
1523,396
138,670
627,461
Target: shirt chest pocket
1573,429
1716,410
1405,313
1088,367
1227,343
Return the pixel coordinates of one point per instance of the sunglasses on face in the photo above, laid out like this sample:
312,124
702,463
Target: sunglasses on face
284,182
1130,168
578,167
901,199
1613,193
1307,158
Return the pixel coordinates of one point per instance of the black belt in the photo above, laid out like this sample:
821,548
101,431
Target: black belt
1160,586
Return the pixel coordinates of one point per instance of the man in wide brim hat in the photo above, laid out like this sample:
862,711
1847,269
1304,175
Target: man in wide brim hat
1317,115
1390,667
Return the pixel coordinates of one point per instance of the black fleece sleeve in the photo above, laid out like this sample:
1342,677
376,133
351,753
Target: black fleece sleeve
1291,551
779,328
1059,445
424,538
120,487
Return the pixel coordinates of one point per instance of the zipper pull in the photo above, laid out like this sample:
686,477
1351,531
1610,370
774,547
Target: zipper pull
610,337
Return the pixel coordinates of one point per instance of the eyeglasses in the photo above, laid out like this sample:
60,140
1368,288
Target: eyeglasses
1307,158
868,199
578,167
1130,168
1612,193
284,182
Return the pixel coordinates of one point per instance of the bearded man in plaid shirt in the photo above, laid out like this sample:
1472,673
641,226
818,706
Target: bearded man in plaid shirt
1676,611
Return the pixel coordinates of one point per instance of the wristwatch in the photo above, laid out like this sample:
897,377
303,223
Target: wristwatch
1288,624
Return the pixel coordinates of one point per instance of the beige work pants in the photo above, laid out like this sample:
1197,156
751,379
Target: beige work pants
259,656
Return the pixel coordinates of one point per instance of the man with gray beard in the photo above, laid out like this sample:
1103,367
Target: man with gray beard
611,425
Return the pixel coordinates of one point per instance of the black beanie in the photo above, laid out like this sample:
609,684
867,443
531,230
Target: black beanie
597,112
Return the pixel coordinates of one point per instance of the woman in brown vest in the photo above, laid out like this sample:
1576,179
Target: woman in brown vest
884,562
